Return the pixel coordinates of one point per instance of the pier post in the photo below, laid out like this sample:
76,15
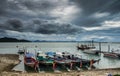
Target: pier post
108,48
91,63
81,64
54,65
100,46
71,64
92,43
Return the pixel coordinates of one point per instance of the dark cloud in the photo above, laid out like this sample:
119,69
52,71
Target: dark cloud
14,24
89,22
3,7
34,5
39,26
89,7
113,30
93,6
57,16
57,29
112,7
50,27
28,9
2,33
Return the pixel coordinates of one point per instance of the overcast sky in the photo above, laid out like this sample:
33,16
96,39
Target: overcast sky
61,20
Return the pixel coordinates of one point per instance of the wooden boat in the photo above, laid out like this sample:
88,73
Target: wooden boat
21,51
30,61
45,60
110,54
63,60
85,47
71,59
93,51
113,53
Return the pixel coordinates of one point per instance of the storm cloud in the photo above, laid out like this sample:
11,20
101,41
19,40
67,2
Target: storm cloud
3,7
40,26
58,17
95,12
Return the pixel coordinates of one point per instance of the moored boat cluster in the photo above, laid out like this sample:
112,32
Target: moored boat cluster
63,61
56,61
91,50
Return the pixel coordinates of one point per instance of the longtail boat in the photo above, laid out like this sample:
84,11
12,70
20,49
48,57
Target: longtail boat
85,47
94,51
30,61
70,59
45,61
112,53
21,51
64,60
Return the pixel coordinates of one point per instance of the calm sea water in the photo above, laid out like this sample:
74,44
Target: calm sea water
10,48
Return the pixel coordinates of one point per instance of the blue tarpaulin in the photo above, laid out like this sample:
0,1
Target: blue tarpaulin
50,53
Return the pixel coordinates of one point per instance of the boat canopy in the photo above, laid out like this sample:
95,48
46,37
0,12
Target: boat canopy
50,54
29,55
59,53
39,51
41,58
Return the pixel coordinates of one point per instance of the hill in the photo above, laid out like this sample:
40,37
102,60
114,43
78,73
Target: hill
5,39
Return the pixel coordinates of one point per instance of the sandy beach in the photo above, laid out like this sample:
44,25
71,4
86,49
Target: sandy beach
81,73
8,61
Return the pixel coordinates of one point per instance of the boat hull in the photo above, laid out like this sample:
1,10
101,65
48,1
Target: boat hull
96,52
112,55
84,48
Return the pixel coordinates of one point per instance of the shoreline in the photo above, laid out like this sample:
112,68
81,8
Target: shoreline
73,73
9,61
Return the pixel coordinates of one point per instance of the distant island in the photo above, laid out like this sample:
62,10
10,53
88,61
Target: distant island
6,39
